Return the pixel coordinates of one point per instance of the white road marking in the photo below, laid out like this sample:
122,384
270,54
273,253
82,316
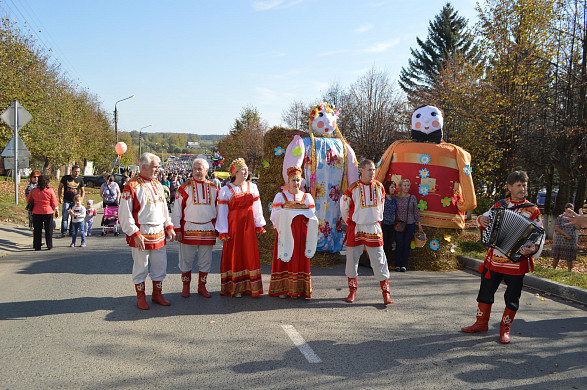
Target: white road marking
299,342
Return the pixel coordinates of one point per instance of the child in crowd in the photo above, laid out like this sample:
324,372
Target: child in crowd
90,214
78,215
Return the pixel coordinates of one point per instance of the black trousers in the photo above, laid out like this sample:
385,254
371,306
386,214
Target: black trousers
512,293
41,221
388,233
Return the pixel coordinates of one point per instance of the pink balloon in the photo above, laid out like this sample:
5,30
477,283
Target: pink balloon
120,148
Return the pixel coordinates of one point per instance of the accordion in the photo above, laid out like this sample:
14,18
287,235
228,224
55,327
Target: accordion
509,231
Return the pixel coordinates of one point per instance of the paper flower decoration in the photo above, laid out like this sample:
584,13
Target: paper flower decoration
297,151
313,177
453,248
270,206
425,159
265,164
445,201
434,245
413,244
424,173
447,237
422,205
423,189
279,151
467,170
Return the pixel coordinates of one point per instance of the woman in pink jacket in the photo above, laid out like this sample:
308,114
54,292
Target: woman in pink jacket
45,207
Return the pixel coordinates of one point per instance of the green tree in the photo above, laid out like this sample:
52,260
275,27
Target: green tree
245,139
448,36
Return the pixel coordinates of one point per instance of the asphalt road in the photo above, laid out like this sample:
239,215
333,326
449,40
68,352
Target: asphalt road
68,319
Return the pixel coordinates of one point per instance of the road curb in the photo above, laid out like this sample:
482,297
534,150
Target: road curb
572,293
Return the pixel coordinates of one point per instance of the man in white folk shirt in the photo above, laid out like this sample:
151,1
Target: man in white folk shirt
193,217
362,210
145,220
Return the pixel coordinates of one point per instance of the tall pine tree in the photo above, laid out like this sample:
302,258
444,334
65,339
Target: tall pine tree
448,36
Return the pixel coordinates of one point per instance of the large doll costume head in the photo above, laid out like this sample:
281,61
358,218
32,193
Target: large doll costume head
323,119
427,124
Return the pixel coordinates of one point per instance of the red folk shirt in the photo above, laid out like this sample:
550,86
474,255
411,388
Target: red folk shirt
361,208
497,261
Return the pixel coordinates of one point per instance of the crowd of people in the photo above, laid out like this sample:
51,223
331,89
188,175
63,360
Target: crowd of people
203,210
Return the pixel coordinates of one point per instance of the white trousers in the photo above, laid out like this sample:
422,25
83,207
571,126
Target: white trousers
377,257
187,255
140,268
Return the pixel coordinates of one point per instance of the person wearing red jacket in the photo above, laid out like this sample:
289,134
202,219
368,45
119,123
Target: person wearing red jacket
44,208
498,267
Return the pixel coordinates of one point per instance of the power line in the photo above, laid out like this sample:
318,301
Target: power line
32,23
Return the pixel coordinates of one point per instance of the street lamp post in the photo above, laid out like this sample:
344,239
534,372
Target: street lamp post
116,116
141,139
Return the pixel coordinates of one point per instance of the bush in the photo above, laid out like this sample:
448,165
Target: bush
483,204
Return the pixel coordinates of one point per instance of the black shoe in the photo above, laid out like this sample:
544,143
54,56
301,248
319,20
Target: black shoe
397,269
403,269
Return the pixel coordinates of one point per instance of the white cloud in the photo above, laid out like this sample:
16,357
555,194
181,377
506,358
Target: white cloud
266,5
331,53
380,47
363,29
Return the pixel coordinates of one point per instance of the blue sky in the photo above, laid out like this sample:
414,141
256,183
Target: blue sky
193,65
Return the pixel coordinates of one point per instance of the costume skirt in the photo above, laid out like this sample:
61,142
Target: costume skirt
240,268
292,277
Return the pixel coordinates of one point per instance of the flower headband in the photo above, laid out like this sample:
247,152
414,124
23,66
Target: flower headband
322,106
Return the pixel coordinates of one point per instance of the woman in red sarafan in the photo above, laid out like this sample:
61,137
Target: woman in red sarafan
239,222
292,214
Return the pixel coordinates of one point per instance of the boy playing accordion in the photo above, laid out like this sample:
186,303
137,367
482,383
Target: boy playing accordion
498,267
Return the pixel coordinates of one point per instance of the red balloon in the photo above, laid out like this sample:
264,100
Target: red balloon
120,148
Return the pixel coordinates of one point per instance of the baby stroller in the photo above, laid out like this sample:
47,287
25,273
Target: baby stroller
110,221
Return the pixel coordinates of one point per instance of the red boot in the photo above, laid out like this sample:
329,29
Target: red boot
483,313
157,297
385,289
352,290
202,285
141,302
186,278
504,327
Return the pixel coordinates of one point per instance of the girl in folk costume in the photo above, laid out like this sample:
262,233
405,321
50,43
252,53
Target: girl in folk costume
329,166
239,222
294,219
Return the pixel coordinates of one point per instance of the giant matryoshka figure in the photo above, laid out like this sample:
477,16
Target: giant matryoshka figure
330,166
440,173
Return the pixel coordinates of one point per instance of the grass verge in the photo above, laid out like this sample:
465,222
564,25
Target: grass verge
541,266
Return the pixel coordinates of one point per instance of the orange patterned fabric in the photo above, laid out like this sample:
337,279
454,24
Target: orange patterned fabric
441,179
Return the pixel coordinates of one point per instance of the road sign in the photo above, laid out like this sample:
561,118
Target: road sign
23,162
23,115
22,149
